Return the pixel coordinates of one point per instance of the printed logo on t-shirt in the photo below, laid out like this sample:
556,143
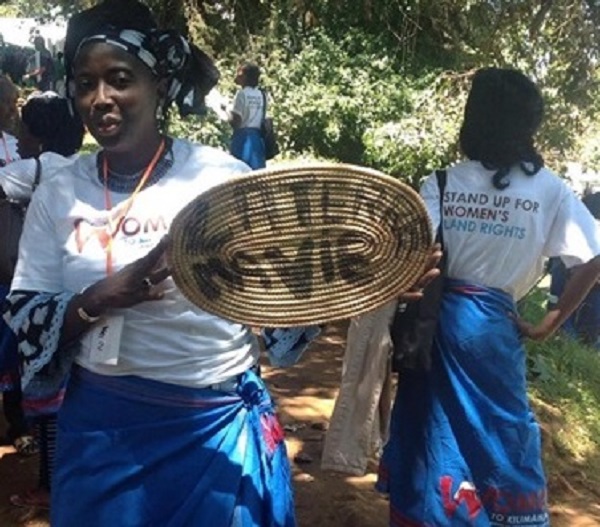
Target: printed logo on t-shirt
130,228
484,214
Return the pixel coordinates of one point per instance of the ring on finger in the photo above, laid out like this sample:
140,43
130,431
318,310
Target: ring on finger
147,283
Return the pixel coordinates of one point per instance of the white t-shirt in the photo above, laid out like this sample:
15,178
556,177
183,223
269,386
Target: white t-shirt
17,178
248,104
501,238
8,148
168,340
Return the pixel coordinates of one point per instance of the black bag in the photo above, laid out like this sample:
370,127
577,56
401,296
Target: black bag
267,129
12,216
414,324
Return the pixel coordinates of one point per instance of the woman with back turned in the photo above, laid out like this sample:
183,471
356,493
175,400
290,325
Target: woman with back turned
246,117
464,445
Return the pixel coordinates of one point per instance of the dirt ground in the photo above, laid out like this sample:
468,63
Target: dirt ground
305,395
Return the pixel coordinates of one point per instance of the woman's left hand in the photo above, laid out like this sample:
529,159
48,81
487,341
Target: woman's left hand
531,331
582,279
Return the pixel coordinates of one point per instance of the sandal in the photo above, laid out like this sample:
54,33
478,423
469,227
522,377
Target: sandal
38,498
26,445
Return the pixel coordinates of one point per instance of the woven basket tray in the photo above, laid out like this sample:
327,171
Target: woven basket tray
300,245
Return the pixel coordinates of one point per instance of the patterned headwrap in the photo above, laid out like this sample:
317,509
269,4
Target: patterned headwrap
129,25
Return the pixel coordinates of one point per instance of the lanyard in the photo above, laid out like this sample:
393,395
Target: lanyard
6,152
114,227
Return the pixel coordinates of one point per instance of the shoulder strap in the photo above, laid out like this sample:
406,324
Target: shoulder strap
38,174
264,112
442,177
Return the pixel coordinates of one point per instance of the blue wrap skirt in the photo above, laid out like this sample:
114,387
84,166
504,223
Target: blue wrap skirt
464,446
135,452
247,145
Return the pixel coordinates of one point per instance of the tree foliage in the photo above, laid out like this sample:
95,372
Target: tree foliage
383,82
323,61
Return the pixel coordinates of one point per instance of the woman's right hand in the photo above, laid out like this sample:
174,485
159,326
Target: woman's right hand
431,271
131,285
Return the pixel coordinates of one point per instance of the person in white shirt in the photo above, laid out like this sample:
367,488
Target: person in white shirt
246,116
584,324
17,432
50,134
464,446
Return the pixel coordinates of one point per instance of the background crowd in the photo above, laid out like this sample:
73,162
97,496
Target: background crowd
35,68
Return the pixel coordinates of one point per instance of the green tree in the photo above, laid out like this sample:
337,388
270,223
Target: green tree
383,82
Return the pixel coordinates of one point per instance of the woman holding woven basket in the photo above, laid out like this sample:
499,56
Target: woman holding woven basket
165,421
464,447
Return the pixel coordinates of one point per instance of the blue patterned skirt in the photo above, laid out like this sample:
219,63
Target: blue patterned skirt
136,452
464,446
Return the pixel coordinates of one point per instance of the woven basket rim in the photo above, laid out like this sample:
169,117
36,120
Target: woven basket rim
248,265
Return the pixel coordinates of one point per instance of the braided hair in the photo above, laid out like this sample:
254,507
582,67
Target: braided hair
503,112
51,120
